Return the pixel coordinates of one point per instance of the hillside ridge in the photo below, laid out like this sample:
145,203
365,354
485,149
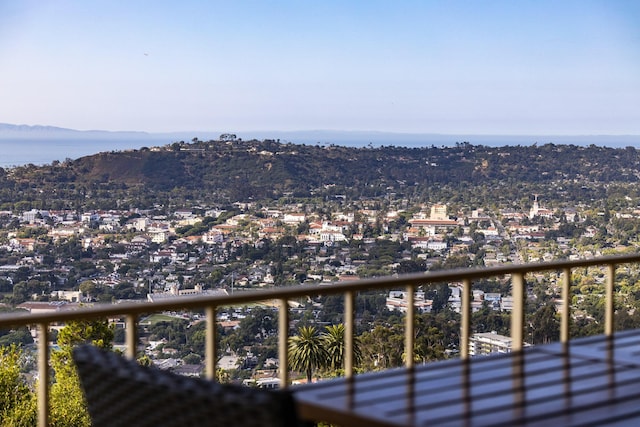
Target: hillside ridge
237,170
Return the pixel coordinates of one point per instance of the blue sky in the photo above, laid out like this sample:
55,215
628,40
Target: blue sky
473,67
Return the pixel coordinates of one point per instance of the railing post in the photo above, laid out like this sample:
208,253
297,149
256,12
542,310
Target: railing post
409,328
131,336
609,325
349,346
517,315
566,306
465,319
43,374
283,342
210,343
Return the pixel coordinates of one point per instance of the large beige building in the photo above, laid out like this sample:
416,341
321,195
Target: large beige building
439,212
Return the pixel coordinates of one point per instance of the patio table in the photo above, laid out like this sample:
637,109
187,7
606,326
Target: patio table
590,381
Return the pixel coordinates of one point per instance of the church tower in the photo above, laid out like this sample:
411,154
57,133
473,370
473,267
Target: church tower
535,208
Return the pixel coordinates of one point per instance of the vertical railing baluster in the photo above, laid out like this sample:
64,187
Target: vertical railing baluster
131,335
609,302
517,314
43,374
465,319
211,343
283,342
566,306
409,328
349,344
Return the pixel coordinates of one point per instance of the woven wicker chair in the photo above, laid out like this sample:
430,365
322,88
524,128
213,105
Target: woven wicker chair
120,392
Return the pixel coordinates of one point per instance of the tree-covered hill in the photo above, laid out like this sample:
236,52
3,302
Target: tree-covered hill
236,170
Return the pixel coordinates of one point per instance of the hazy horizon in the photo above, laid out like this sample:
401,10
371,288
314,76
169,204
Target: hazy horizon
39,145
415,67
10,131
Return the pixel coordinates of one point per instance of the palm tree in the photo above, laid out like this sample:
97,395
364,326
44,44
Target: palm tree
307,352
333,339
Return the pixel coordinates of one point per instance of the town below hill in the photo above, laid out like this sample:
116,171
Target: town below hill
230,215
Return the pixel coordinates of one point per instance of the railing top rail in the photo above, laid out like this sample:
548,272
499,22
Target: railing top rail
197,302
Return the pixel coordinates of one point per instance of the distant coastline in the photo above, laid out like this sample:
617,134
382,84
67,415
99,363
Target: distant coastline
20,152
40,145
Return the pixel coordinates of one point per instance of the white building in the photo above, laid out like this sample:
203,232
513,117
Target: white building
158,235
488,343
212,237
332,236
138,224
397,300
71,296
537,210
262,383
89,217
436,245
33,214
294,218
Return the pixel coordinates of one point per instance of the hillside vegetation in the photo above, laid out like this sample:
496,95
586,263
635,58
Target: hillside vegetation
228,171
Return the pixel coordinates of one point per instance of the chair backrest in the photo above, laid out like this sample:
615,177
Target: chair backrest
120,392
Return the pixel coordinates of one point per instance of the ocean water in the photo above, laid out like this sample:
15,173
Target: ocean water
39,152
43,151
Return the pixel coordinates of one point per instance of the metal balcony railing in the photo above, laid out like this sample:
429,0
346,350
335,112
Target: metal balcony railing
517,273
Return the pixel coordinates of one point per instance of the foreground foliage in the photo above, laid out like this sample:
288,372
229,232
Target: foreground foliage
68,408
17,401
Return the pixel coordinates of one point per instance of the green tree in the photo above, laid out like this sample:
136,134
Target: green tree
439,296
383,346
333,341
196,337
544,325
18,336
192,359
253,329
17,401
411,266
68,406
145,360
88,289
307,351
430,342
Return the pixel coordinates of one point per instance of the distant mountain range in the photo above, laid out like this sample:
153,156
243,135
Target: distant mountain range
337,137
9,131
